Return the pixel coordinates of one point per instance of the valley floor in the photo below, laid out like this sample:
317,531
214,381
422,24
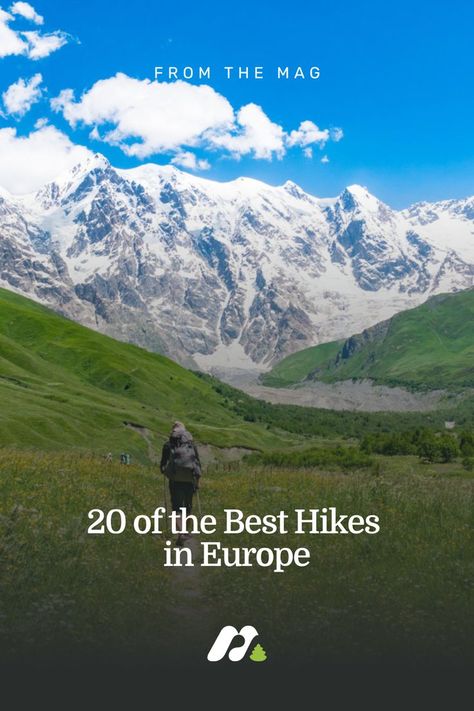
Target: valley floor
362,395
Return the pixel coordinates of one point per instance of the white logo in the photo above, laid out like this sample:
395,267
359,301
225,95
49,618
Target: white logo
224,639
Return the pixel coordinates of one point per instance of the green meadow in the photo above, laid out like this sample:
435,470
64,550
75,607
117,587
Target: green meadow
404,594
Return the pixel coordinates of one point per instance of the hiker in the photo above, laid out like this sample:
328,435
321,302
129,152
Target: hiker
181,465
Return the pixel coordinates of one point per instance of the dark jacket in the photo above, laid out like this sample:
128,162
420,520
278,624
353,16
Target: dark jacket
176,439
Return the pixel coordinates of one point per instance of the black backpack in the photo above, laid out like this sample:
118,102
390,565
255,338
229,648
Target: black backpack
183,463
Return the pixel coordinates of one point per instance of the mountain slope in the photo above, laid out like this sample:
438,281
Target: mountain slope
225,274
431,346
295,368
63,385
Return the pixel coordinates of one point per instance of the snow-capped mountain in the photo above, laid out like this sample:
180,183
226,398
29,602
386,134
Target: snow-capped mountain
238,273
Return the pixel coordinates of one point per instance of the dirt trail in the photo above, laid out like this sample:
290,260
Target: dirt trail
147,436
189,585
192,615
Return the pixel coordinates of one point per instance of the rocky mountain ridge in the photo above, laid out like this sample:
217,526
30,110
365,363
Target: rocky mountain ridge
235,274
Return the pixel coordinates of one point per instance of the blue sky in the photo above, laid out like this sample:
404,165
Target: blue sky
396,77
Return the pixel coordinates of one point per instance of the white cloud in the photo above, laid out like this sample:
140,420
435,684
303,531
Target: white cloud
20,96
27,11
10,41
308,134
40,46
254,133
188,160
28,162
32,44
146,118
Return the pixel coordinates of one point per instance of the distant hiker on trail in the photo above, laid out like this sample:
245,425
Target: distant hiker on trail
181,465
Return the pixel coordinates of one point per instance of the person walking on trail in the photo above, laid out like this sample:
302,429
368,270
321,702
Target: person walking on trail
181,465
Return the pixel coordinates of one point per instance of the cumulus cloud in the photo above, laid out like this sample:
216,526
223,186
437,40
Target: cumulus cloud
324,159
336,134
20,96
254,133
188,160
28,162
308,134
10,41
146,118
32,44
27,11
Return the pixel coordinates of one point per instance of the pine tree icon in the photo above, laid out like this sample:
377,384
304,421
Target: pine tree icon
258,654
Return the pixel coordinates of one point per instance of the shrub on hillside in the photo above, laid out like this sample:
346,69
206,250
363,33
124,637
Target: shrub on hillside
448,448
433,449
466,443
342,458
392,443
468,463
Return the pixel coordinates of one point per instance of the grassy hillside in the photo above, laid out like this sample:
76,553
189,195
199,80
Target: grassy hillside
296,367
63,385
431,346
